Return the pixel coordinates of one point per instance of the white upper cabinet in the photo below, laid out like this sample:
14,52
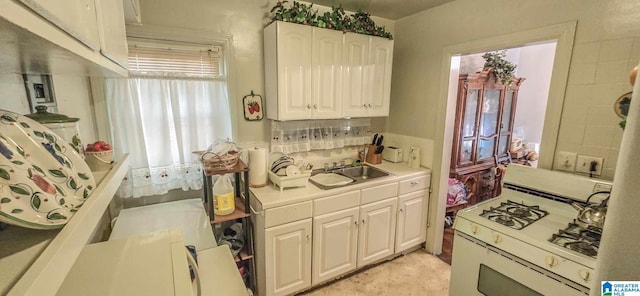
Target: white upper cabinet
287,55
380,77
326,86
113,41
367,68
357,75
315,73
74,37
76,17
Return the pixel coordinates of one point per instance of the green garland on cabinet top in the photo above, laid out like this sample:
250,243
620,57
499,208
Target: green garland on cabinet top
336,19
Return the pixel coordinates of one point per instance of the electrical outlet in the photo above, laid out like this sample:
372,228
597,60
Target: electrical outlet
566,161
602,187
589,165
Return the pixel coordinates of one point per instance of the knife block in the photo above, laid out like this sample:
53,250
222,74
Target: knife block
372,157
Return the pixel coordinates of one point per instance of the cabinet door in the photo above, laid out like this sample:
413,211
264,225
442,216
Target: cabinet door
380,76
468,127
113,41
377,231
335,239
356,75
506,124
326,61
488,127
412,220
294,71
76,17
288,257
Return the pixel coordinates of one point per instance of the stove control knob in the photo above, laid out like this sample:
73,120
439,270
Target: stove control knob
551,261
475,229
497,238
585,275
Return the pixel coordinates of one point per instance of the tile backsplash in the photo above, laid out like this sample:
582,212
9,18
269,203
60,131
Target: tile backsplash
599,74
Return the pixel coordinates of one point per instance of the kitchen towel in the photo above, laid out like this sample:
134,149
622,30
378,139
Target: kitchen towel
257,167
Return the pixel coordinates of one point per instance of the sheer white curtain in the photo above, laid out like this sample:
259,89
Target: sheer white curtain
160,122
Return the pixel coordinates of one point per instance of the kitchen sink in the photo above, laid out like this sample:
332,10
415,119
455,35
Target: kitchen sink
359,174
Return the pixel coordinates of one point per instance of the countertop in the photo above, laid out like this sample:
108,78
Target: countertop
270,196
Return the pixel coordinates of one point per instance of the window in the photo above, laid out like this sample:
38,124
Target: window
174,102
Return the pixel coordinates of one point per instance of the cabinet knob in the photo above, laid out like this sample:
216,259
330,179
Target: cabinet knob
315,106
363,221
497,238
356,223
368,105
585,275
308,237
364,105
551,261
308,106
401,210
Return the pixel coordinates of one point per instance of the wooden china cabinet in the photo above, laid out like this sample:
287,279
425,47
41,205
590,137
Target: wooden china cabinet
482,132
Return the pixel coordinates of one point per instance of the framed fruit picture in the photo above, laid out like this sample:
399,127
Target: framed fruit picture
253,109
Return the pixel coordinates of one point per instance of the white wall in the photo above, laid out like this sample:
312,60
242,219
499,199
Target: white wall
606,47
72,95
13,95
244,20
535,64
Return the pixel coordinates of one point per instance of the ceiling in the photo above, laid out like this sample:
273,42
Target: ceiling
389,9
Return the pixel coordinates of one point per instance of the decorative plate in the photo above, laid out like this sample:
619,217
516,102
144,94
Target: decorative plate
43,180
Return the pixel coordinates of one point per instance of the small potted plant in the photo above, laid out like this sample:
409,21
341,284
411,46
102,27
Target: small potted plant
502,68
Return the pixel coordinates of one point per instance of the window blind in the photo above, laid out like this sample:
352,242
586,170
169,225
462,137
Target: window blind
170,59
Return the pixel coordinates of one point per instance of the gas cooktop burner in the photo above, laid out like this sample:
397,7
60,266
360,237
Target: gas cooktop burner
576,238
514,215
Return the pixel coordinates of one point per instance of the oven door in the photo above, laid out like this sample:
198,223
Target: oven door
479,269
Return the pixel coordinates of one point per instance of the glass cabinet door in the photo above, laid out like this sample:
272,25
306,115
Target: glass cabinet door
505,123
486,148
504,141
470,109
489,115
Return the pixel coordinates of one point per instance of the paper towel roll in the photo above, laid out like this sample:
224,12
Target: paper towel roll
257,167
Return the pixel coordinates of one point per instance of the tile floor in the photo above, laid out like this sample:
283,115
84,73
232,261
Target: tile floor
416,274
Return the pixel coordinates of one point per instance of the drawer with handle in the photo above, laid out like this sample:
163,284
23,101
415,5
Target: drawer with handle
414,184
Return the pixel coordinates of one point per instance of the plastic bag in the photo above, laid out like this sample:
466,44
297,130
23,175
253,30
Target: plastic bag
222,147
223,197
234,237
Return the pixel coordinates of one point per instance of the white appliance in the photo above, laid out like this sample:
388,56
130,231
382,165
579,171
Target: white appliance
392,154
521,242
150,264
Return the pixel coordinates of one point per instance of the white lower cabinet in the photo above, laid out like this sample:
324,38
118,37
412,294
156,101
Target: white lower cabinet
288,257
335,240
377,231
350,230
412,220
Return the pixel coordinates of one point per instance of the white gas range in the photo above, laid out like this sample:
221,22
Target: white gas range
524,242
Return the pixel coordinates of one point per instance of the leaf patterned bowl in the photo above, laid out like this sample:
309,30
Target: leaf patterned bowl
43,180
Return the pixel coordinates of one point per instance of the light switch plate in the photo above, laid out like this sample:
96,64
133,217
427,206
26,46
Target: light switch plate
583,164
566,161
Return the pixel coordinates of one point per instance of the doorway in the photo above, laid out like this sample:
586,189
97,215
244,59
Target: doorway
534,64
564,35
